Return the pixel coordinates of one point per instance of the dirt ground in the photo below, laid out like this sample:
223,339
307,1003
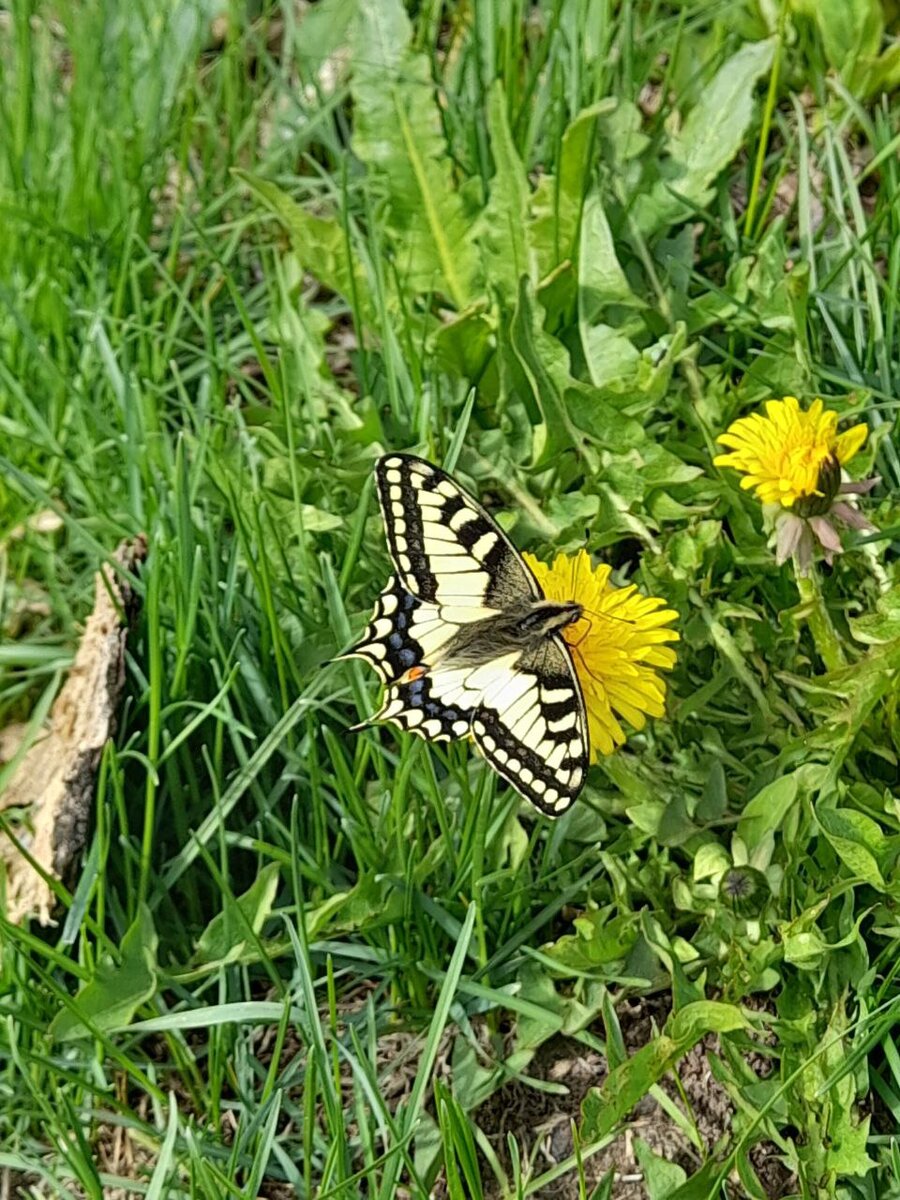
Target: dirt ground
534,1116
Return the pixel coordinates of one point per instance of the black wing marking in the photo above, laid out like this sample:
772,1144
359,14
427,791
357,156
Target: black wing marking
538,741
415,707
445,547
402,633
388,644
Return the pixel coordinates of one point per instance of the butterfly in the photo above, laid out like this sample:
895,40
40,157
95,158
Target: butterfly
465,642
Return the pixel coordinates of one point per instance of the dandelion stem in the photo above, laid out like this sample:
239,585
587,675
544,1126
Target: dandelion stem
823,631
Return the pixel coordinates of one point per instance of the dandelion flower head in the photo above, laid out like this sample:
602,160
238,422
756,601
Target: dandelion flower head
618,646
793,459
791,455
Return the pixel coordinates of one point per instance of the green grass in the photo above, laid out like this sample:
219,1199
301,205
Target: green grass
556,244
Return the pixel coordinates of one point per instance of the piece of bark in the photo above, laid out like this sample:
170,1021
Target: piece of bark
54,783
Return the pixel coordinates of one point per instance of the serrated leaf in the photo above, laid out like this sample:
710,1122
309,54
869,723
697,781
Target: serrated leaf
503,231
846,1155
118,989
398,134
712,134
320,243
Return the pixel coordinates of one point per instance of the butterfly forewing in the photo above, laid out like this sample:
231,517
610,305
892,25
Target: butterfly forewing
445,547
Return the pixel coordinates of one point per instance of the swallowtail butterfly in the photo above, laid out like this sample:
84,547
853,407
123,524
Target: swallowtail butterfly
465,642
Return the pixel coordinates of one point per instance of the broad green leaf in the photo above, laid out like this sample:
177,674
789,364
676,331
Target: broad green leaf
633,380
324,29
463,344
694,1021
398,134
851,31
601,280
117,990
613,361
661,468
226,936
320,243
661,1177
558,199
710,861
768,809
883,625
881,74
846,1153
597,942
856,839
604,1107
370,901
544,364
714,801
563,1012
703,1185
712,134
803,948
503,230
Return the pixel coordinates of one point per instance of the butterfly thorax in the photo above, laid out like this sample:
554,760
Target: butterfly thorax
519,627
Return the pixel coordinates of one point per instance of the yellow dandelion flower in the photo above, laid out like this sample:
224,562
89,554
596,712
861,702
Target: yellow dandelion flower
618,646
792,458
791,455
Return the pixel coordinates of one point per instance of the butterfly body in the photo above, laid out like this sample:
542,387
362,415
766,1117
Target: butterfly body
519,628
465,642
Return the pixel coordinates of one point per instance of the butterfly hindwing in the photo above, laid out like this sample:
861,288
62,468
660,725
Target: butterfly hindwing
532,727
524,710
402,632
414,706
445,547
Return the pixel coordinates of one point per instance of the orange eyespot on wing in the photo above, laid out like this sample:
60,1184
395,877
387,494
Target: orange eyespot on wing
413,674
